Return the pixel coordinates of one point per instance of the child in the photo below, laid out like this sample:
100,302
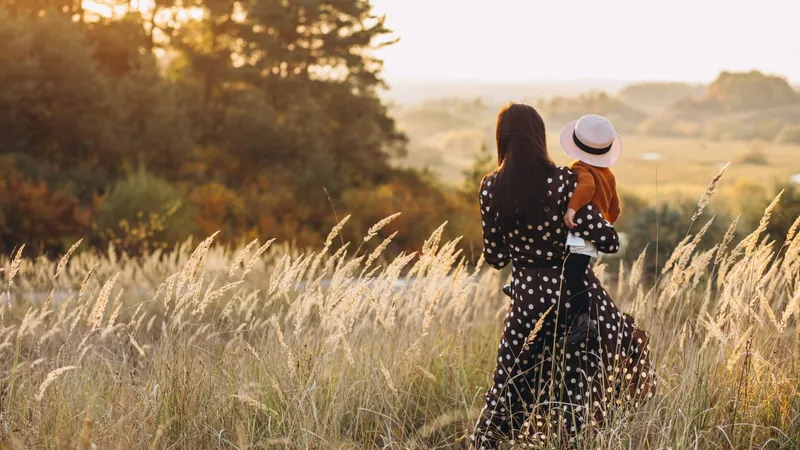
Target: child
592,141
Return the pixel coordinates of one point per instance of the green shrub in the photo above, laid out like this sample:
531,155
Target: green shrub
754,156
752,200
660,228
142,212
790,134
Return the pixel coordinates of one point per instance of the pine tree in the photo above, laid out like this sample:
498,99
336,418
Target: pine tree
292,86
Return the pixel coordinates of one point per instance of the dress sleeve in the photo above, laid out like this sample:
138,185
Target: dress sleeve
495,251
592,226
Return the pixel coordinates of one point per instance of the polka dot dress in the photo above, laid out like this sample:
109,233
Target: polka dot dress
539,386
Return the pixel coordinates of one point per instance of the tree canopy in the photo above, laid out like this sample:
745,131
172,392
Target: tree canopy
265,114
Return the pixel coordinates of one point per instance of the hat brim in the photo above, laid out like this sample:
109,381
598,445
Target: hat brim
607,159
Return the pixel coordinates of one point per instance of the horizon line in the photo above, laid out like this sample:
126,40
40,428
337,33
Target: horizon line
561,81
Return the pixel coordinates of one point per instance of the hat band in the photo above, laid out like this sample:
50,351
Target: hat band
591,150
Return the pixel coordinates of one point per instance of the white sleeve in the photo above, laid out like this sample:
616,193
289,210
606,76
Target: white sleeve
581,246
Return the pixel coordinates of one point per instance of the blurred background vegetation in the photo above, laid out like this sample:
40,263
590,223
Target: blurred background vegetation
677,138
142,128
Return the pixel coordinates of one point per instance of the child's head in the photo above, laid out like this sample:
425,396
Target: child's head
592,139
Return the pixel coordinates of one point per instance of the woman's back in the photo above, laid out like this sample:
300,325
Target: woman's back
544,238
522,203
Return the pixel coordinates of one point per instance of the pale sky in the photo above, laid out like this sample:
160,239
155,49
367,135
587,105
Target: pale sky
562,40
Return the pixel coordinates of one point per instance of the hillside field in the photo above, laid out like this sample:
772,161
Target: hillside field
684,165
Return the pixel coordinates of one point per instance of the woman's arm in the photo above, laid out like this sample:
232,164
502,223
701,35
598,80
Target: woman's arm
495,251
592,226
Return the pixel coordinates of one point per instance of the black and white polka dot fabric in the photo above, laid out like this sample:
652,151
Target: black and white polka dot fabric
539,387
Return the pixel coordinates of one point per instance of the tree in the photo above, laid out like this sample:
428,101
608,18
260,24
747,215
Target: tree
751,90
151,120
270,107
71,8
61,122
117,44
484,163
306,67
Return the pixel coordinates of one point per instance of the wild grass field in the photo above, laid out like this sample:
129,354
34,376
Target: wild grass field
267,346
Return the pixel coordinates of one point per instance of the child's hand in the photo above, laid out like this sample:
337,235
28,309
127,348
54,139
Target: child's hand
569,218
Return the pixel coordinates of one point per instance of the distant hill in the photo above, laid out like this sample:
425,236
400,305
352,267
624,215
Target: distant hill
448,122
751,90
561,110
414,92
745,105
654,98
446,134
765,124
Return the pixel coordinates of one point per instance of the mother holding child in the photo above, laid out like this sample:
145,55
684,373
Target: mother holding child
568,358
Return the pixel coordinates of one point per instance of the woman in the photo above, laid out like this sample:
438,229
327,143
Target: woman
540,386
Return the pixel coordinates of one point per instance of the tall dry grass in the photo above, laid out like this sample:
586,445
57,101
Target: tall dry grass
270,347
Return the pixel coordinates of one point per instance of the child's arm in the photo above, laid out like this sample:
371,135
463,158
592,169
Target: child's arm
614,209
581,196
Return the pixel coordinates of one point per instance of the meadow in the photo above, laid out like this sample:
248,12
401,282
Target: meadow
138,125
683,166
671,166
270,346
676,136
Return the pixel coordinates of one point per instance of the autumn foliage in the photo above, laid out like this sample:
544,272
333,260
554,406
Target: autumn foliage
32,212
148,126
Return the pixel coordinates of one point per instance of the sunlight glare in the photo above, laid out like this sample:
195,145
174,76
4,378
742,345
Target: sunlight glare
145,7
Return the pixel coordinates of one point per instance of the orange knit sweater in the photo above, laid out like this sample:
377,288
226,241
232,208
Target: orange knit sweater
596,185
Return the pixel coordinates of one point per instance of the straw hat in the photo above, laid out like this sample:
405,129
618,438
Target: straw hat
592,139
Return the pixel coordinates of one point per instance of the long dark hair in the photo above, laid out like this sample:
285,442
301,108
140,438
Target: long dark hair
524,165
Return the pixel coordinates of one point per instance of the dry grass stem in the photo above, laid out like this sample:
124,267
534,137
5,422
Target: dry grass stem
271,345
